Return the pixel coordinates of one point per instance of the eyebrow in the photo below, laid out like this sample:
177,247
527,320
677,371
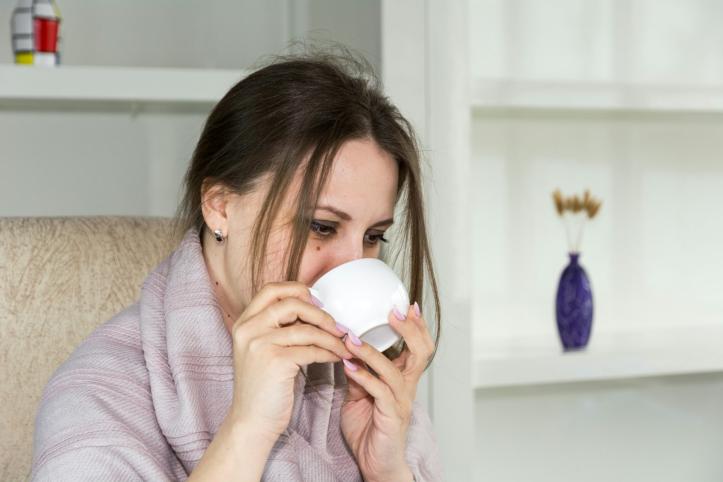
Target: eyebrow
346,217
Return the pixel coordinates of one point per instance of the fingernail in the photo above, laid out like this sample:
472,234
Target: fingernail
354,339
317,301
417,310
351,366
342,328
398,315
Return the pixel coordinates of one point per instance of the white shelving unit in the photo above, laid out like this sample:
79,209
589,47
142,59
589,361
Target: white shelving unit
609,356
114,84
639,123
537,360
488,94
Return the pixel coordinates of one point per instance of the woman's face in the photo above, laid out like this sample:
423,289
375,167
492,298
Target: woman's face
355,208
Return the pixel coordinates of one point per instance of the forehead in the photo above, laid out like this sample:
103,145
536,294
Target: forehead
363,178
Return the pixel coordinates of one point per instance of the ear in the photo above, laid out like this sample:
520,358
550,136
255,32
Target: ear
214,200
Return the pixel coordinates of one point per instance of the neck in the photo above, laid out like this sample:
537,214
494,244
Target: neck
213,255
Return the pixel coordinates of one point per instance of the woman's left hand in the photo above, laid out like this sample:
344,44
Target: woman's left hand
377,410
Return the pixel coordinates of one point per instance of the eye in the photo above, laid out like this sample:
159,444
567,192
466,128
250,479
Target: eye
375,238
322,229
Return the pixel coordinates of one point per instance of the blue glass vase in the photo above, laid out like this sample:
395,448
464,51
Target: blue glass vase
574,306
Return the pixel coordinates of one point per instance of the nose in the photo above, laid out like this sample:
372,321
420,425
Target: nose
350,251
342,253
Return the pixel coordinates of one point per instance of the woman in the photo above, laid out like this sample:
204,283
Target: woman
226,368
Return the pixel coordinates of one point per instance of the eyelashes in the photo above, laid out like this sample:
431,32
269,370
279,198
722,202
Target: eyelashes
323,230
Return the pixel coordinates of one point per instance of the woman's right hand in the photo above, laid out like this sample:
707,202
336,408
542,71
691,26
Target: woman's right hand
279,331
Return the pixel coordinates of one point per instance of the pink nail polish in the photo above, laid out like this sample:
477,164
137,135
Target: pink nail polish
317,301
398,315
354,339
342,328
351,366
417,310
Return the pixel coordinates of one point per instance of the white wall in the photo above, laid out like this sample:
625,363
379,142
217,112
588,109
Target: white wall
641,41
659,429
62,164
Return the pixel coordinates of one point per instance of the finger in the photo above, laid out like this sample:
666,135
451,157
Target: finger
417,317
384,398
418,340
307,335
383,366
355,391
289,310
416,314
305,355
273,292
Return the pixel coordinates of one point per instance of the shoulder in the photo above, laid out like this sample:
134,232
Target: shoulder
99,400
105,371
111,353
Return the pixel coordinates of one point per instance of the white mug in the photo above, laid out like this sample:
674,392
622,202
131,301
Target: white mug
360,295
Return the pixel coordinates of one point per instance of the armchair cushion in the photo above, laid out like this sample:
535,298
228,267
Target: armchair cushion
59,279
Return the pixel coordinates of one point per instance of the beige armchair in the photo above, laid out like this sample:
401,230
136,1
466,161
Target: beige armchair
59,279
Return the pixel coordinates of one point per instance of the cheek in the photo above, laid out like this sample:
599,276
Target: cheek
275,261
313,263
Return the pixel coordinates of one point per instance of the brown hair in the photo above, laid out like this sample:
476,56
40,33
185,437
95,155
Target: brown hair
306,105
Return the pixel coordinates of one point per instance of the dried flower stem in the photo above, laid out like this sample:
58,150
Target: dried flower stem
576,211
566,222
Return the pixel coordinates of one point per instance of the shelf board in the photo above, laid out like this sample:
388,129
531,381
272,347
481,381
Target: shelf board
86,84
609,356
495,95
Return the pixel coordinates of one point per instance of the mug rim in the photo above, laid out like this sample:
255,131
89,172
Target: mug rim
346,263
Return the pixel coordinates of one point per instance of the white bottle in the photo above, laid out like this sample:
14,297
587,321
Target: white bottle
21,27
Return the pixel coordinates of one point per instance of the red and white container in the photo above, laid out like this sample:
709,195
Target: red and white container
46,28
